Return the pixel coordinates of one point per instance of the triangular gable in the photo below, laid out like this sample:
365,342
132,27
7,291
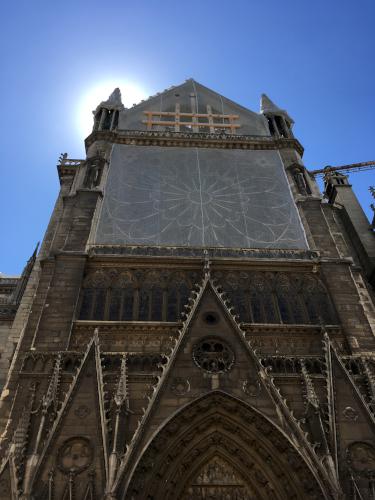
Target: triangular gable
247,379
190,97
354,421
78,426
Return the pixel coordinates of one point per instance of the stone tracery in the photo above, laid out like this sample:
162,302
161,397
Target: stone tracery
258,297
219,429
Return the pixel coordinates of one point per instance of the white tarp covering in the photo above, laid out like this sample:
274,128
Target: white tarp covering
198,197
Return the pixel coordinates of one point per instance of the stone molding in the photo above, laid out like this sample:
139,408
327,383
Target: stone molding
219,252
195,140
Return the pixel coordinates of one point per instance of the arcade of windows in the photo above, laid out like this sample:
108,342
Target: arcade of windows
257,297
135,296
277,297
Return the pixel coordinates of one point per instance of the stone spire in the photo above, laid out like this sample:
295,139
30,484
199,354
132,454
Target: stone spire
114,101
106,115
268,107
279,122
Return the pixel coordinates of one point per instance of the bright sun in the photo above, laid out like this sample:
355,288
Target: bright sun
131,94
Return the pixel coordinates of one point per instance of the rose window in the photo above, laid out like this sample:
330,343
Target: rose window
213,355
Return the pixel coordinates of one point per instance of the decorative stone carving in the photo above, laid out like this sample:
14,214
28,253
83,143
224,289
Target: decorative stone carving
361,458
213,355
164,466
300,181
82,411
93,172
180,386
251,388
350,414
218,480
242,253
75,455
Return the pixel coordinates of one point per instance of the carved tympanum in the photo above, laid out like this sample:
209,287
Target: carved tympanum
217,479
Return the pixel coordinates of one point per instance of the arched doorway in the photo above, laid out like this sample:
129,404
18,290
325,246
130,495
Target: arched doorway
219,448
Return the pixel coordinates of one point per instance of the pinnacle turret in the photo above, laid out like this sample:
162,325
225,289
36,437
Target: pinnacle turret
268,107
114,101
279,122
106,115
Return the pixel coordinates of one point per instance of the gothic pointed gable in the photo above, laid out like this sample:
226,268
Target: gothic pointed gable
218,356
213,350
211,112
351,422
76,442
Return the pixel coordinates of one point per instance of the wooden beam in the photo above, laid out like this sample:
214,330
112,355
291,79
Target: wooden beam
191,124
195,115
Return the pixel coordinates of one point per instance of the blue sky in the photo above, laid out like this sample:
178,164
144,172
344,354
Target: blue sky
315,59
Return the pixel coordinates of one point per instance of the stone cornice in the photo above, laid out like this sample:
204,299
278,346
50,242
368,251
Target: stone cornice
134,327
67,169
197,252
294,329
194,139
155,327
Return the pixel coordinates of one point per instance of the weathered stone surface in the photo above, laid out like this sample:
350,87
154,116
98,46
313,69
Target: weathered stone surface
177,368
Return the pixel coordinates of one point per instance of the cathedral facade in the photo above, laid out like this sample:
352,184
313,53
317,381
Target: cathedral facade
199,321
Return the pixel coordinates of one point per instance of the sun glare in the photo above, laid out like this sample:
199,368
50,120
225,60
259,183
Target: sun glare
131,94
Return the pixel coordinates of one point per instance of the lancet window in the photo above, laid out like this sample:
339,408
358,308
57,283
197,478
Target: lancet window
278,298
134,296
258,297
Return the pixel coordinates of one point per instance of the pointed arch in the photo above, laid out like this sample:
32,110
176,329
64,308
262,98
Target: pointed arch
219,425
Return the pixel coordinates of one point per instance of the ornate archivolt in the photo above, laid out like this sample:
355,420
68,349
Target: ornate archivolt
218,429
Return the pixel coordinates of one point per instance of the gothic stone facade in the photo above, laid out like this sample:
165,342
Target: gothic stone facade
199,322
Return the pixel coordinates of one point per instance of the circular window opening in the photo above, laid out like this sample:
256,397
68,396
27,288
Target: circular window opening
213,355
210,318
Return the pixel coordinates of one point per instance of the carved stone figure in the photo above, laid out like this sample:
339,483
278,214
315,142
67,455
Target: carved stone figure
93,173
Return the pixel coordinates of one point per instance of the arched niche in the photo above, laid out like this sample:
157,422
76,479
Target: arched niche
219,428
